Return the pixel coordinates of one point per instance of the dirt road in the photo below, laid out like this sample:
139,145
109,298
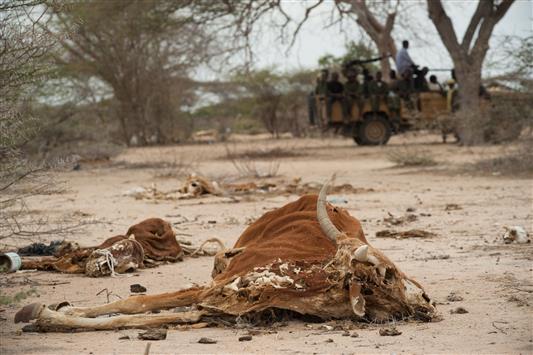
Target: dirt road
467,257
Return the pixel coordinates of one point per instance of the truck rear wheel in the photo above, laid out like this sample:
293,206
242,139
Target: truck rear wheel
374,130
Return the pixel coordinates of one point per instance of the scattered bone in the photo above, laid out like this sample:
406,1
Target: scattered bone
412,233
515,234
269,278
196,186
234,286
153,334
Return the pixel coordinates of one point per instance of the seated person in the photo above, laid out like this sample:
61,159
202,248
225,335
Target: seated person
434,84
393,99
420,81
335,92
405,89
378,90
353,92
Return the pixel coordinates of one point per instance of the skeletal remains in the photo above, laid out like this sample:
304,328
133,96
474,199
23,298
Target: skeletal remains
307,258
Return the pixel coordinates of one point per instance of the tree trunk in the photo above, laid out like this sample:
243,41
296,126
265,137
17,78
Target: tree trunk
467,58
472,123
385,49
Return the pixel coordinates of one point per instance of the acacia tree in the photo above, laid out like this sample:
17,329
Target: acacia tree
144,50
376,19
24,65
468,56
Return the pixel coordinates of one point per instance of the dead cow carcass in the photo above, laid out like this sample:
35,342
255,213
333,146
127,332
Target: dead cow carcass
306,257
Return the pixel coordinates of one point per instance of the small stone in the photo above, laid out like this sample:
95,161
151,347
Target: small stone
124,337
346,334
410,209
212,222
354,335
329,340
137,288
390,332
205,340
245,338
458,310
153,334
452,297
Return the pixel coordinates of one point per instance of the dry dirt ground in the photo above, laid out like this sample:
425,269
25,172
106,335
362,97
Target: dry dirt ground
467,257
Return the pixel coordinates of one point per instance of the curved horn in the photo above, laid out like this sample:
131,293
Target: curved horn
322,214
361,254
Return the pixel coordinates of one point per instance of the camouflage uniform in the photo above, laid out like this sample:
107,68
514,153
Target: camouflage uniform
353,92
378,91
393,98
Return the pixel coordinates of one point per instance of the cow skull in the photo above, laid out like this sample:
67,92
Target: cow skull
373,278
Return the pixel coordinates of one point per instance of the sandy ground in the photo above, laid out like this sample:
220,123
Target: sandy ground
467,257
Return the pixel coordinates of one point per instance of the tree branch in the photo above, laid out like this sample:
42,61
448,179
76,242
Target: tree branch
481,45
483,9
306,17
444,27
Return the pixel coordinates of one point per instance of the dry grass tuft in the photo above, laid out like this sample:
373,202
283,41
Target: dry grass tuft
263,153
411,156
258,165
518,162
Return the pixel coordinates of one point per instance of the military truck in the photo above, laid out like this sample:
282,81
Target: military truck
375,127
507,111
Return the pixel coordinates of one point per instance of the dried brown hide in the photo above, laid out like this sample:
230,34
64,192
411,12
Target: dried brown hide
150,241
306,257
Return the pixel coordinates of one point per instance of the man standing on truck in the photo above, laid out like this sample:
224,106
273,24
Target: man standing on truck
335,92
378,90
403,60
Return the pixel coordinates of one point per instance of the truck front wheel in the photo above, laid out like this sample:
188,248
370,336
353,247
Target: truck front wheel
374,130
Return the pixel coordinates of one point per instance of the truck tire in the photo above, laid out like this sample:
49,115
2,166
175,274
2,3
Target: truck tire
374,130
